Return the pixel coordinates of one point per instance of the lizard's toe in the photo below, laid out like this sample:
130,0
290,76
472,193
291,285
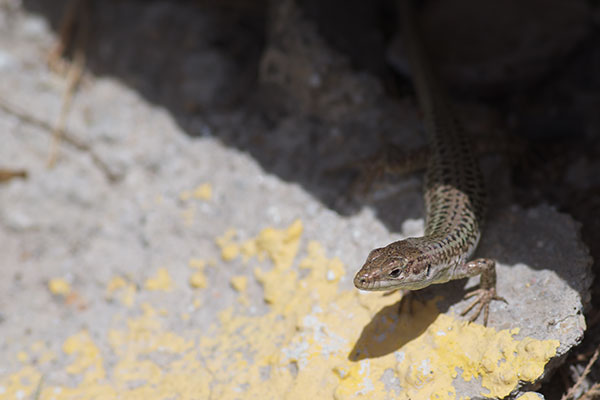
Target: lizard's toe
483,298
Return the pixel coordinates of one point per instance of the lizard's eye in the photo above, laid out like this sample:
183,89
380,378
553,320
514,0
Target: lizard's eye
394,273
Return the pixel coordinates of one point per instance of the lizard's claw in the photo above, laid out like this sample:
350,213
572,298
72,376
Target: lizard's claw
389,159
369,170
483,298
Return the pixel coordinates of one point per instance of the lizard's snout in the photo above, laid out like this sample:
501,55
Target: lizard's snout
360,282
363,281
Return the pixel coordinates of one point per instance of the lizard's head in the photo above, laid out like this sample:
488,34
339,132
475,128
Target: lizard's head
400,265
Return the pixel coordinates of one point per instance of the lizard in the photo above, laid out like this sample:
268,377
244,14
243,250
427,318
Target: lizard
455,200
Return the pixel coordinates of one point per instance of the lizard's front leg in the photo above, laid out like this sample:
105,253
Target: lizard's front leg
390,159
487,287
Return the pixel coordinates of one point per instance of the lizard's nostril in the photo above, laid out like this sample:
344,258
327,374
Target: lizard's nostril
360,282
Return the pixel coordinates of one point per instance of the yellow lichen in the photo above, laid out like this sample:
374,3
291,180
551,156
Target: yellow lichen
88,362
198,280
125,289
162,281
239,283
59,286
115,284
21,384
197,303
196,263
229,249
315,340
22,356
203,192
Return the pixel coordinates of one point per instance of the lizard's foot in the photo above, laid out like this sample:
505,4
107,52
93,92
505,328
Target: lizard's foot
487,288
390,159
370,170
483,298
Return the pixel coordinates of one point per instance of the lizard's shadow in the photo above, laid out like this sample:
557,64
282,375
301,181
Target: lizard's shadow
391,328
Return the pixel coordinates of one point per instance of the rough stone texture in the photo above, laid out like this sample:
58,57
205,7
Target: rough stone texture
499,61
95,214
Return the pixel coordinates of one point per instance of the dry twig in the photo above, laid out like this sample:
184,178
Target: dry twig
70,139
8,174
77,12
595,388
591,393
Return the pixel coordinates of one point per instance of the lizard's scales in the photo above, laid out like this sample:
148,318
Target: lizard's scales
454,198
454,187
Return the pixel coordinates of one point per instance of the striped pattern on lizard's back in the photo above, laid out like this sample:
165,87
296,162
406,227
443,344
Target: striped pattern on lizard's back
454,199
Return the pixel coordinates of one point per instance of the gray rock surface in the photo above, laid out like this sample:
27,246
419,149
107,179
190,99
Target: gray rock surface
114,207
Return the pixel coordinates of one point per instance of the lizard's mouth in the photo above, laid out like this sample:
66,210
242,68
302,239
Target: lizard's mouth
364,283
